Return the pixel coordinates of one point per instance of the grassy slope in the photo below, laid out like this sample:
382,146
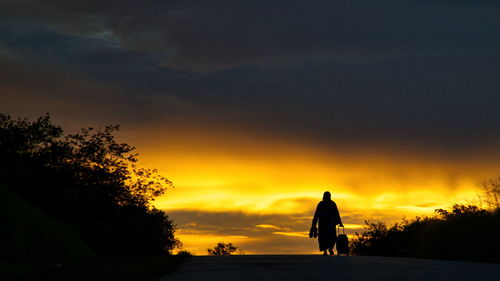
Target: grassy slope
35,246
32,240
133,268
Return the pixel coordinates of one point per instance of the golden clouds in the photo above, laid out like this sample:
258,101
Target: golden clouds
268,226
257,176
293,234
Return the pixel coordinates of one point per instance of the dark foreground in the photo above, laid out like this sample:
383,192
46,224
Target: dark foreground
308,267
134,268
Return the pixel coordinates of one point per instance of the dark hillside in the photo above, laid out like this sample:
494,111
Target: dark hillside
32,240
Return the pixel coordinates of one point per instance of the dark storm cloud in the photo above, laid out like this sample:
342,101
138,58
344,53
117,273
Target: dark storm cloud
201,35
419,70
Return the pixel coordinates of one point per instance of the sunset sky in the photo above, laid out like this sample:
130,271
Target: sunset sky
255,108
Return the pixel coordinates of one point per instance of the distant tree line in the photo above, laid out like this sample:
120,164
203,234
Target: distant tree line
89,181
466,232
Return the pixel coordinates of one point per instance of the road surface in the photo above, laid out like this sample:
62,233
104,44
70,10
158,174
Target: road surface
308,267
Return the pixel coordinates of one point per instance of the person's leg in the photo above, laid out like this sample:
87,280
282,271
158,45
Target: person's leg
333,245
324,253
331,240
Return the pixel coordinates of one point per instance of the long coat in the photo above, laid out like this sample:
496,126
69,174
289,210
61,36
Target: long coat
328,216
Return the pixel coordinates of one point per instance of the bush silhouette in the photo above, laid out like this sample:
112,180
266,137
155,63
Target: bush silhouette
89,181
184,253
466,232
222,249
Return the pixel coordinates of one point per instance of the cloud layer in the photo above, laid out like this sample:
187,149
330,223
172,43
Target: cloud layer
415,70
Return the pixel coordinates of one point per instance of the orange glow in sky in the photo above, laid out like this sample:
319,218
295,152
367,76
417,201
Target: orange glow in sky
253,192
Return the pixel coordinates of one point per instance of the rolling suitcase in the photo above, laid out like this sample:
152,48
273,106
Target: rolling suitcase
342,243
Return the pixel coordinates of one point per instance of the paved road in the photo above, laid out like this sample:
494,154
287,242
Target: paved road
308,267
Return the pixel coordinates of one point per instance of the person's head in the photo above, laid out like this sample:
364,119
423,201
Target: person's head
327,196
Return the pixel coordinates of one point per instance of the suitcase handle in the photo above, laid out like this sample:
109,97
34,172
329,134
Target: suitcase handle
343,229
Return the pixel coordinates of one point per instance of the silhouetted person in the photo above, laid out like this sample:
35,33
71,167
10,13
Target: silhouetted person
328,216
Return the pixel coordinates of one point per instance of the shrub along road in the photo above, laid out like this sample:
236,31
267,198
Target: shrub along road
309,267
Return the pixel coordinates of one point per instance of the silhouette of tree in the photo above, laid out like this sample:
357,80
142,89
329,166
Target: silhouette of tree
222,249
87,180
491,191
184,253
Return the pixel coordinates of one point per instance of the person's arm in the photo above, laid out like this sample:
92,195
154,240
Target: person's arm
315,218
